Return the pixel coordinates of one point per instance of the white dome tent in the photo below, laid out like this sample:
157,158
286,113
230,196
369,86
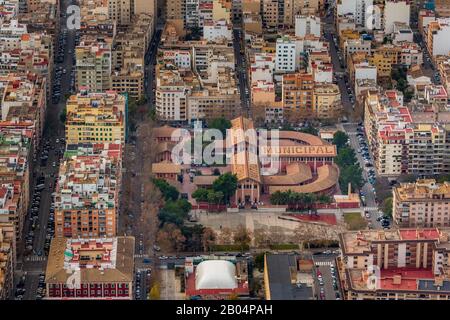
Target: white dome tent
215,274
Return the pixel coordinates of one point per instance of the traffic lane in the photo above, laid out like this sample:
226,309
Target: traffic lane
322,264
31,285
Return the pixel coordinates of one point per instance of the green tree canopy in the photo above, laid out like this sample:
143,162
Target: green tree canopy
168,191
227,184
346,157
340,139
175,212
201,194
221,124
310,129
350,174
387,206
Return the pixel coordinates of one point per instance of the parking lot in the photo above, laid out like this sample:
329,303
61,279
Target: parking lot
325,276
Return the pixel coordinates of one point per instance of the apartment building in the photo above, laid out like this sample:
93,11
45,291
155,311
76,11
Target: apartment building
442,7
146,7
32,52
327,101
352,46
298,95
401,264
361,66
360,10
120,11
400,143
195,79
425,17
438,33
15,150
24,101
423,203
411,54
7,259
128,56
104,267
402,33
175,10
307,25
93,65
273,13
171,95
383,63
287,55
96,118
395,11
444,72
86,201
217,31
9,9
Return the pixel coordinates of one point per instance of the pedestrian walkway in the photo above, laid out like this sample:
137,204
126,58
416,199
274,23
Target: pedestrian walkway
35,258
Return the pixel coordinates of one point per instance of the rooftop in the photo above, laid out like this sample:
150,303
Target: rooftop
98,260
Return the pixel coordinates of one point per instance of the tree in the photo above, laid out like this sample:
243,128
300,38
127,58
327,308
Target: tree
324,198
346,157
340,139
221,124
351,174
443,178
215,197
200,195
208,239
259,261
387,206
310,130
168,191
242,237
175,212
227,184
155,292
170,237
276,198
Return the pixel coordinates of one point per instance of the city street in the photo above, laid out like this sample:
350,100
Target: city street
241,69
323,277
368,190
35,263
339,71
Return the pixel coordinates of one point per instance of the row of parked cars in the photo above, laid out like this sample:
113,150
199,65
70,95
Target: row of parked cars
40,292
335,282
141,277
34,214
364,151
62,41
20,288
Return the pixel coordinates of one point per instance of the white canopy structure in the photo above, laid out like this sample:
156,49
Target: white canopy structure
215,274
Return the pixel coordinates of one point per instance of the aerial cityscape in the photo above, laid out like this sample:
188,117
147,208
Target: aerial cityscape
248,150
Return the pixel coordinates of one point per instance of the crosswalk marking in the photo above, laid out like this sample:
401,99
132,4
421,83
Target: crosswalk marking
370,208
323,263
36,258
141,255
